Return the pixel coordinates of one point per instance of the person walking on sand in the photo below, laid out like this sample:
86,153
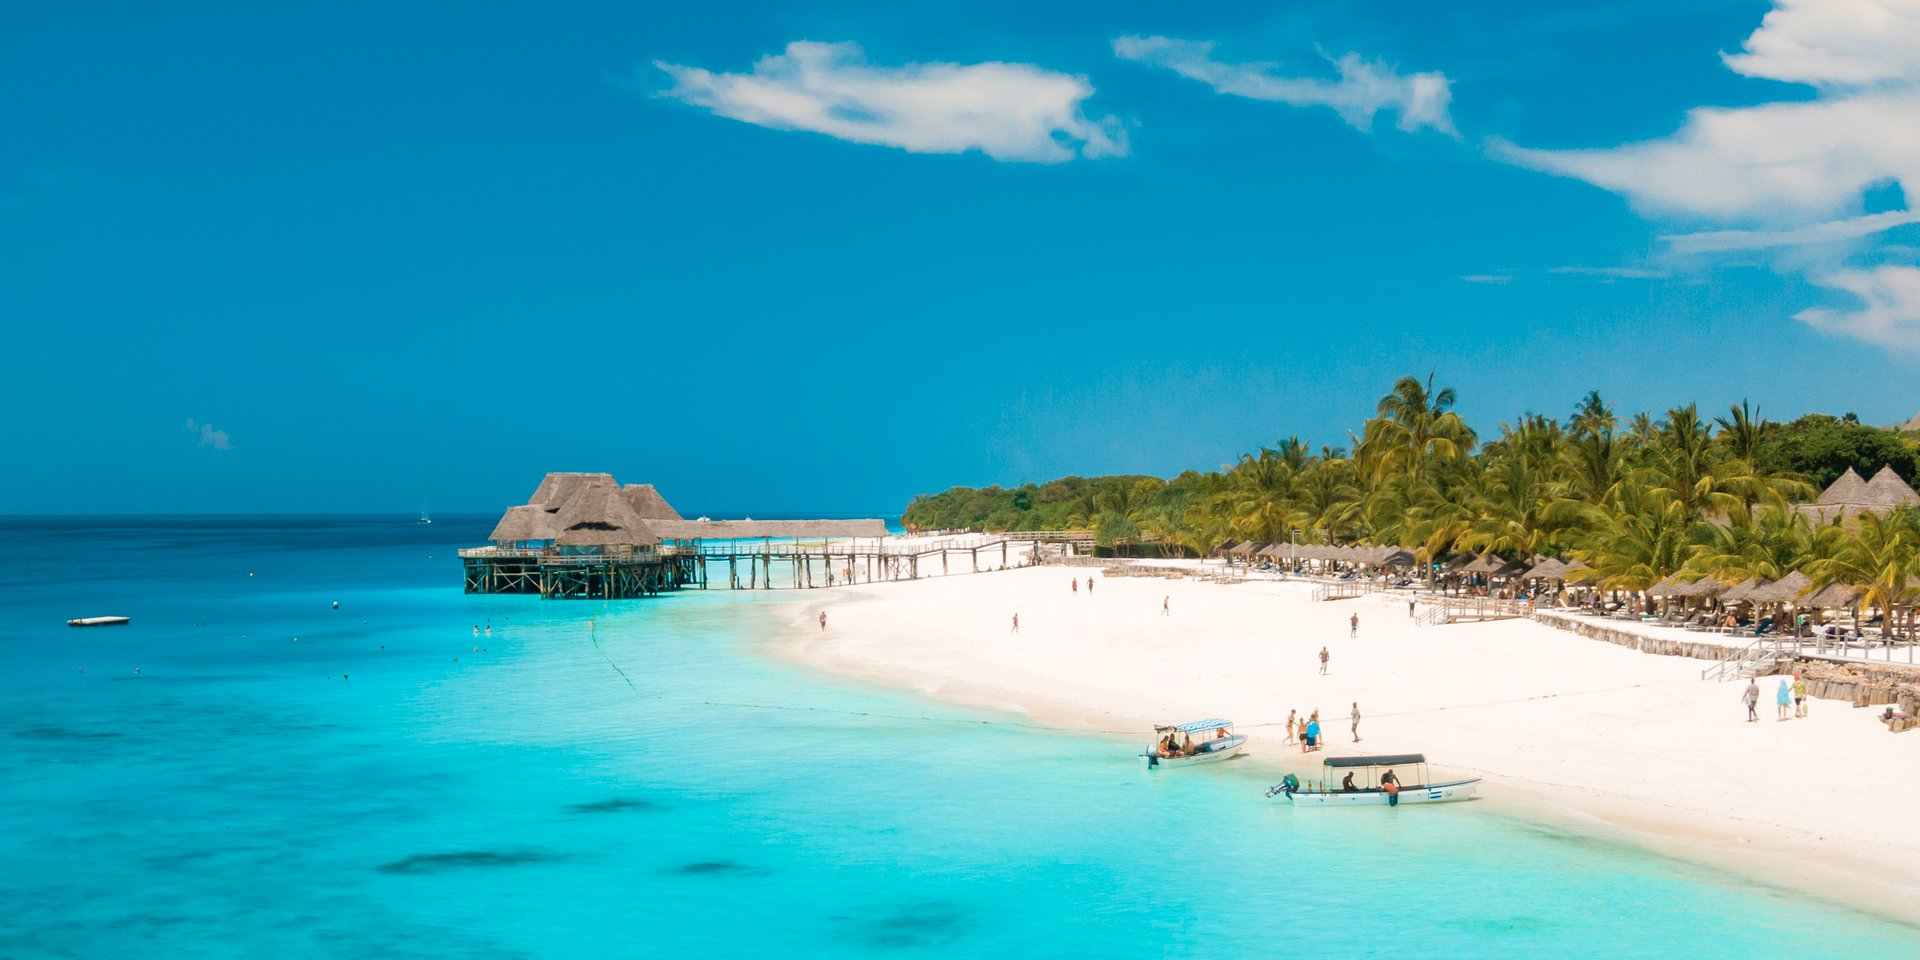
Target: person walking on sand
1356,723
823,620
1089,585
1076,584
1751,697
1799,695
1166,605
1290,715
1323,661
1016,623
1783,699
1410,609
1353,626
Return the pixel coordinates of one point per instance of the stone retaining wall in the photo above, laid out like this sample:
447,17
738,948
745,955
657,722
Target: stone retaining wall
1659,646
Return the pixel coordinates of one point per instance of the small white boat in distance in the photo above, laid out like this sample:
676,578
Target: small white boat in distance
1193,742
99,621
1370,781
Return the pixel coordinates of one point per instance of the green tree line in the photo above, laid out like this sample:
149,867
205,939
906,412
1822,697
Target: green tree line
1637,498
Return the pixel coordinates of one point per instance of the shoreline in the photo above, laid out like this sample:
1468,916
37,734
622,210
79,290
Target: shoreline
1835,861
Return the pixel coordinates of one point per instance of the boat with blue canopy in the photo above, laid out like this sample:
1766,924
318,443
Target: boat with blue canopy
1371,781
1193,742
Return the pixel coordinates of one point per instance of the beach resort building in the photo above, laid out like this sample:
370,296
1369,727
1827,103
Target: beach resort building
1849,496
583,535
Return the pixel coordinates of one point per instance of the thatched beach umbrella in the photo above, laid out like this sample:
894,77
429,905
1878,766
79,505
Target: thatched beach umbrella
1786,590
1834,596
1666,587
1742,590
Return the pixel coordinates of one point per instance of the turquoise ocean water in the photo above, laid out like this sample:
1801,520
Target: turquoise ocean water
362,793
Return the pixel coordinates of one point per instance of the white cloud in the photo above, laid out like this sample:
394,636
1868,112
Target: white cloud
1714,241
1791,176
1362,90
1008,111
209,437
1889,309
1852,43
1490,278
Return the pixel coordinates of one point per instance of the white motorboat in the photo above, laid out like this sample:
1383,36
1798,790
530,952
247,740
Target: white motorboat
1194,742
99,622
1371,781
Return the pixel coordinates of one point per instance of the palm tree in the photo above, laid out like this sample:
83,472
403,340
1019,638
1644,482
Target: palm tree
1415,426
1878,554
1742,431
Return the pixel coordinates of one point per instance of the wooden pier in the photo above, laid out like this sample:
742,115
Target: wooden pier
769,564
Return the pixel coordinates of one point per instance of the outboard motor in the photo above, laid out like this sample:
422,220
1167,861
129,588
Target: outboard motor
1287,785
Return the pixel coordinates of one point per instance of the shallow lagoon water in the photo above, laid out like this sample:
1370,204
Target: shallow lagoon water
614,790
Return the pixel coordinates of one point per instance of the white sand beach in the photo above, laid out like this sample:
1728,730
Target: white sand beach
1565,729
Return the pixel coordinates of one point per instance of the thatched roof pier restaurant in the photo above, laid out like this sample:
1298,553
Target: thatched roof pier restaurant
584,536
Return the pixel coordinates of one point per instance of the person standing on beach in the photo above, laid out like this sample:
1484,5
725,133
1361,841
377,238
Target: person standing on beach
1751,697
1016,623
1356,723
1089,585
1783,699
823,620
1313,733
1323,661
1799,695
1166,605
1290,715
1410,609
1353,626
1076,584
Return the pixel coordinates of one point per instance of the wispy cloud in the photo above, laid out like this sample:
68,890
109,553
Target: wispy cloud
1791,176
1832,231
1888,309
1361,89
209,437
1610,273
1490,278
1008,111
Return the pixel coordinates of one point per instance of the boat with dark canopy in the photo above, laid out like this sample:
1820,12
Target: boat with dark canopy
1371,781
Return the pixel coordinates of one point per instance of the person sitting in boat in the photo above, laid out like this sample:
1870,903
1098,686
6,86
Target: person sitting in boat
1346,784
1220,733
1186,746
1168,748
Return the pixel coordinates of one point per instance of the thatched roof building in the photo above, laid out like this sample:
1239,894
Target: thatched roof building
1849,496
597,515
593,510
528,523
647,503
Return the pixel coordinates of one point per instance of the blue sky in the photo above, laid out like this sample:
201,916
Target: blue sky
818,257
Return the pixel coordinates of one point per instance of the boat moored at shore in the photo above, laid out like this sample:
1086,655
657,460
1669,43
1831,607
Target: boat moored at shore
1371,781
1175,746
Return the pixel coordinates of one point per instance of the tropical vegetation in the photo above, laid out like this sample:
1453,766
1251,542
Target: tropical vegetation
1637,498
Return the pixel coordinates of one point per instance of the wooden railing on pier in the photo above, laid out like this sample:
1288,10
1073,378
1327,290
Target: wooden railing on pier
1439,610
759,564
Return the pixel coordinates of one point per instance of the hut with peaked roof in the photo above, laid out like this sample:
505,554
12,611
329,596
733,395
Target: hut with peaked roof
1849,496
597,519
647,503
